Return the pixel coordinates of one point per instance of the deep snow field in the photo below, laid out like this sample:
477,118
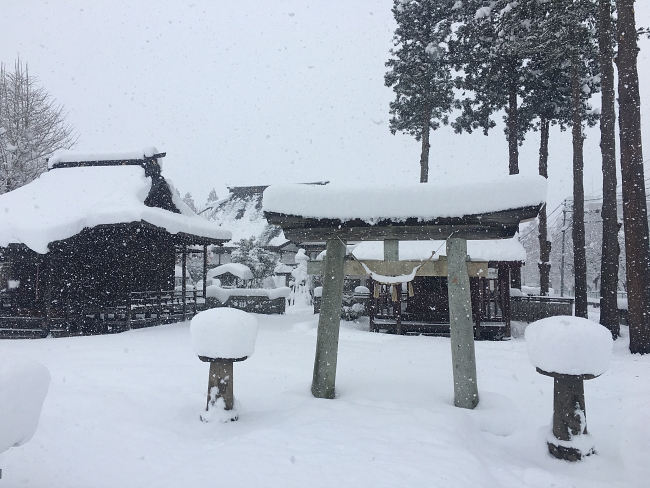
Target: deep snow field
123,411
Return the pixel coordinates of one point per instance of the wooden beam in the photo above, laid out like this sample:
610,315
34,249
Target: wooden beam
352,267
183,286
422,233
205,270
494,225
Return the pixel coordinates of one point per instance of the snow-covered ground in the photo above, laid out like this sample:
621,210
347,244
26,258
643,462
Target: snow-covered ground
123,411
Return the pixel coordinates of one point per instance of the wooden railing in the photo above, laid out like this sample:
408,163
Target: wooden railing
532,308
140,309
253,304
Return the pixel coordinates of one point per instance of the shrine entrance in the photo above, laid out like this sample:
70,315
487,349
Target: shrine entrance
303,215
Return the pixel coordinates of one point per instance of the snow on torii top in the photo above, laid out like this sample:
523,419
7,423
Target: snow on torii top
424,201
62,202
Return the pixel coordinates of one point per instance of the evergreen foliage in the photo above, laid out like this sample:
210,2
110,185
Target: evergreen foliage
261,262
189,200
491,70
212,197
419,71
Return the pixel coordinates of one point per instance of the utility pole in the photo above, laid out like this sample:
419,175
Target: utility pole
563,234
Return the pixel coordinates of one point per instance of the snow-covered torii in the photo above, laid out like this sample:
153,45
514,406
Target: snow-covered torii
456,212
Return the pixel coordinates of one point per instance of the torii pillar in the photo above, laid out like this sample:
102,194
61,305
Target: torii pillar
329,321
461,329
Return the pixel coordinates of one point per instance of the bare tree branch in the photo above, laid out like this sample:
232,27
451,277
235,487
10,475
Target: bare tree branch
32,127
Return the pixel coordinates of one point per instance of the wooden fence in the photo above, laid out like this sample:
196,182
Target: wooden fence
531,308
141,309
250,303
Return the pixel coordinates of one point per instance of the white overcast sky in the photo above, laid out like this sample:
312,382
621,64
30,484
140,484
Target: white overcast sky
256,92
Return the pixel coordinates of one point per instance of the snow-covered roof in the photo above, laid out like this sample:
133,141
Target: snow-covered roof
62,202
238,269
478,251
278,241
424,201
243,215
67,156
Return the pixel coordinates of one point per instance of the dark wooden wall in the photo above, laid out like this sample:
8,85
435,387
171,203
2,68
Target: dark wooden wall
97,267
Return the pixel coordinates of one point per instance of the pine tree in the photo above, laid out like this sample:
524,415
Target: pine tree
492,72
419,72
189,200
563,31
212,197
635,212
610,248
547,101
548,98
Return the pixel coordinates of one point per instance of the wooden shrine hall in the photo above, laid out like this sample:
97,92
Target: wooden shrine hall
91,247
421,305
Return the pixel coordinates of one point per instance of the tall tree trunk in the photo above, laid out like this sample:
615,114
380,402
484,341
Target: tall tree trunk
635,213
579,255
513,157
544,264
513,135
424,156
610,249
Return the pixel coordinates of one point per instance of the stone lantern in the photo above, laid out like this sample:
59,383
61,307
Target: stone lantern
570,350
221,337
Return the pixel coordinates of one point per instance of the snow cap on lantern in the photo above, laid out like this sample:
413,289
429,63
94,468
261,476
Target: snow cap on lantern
224,333
569,345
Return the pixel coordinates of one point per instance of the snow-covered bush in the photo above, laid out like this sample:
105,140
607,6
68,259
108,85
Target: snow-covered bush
260,261
300,295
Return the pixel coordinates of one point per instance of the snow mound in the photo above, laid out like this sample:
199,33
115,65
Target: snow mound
225,333
496,414
240,270
569,345
23,387
425,201
635,449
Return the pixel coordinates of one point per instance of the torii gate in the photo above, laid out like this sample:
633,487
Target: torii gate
303,214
